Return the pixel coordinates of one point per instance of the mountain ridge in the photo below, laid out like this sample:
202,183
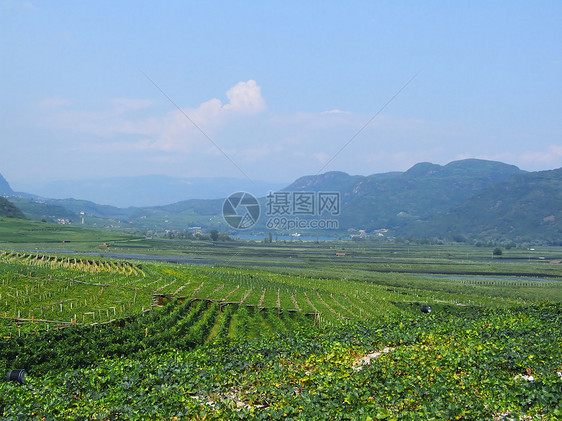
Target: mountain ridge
456,200
382,200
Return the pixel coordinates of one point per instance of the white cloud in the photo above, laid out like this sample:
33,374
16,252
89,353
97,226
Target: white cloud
273,145
176,131
245,97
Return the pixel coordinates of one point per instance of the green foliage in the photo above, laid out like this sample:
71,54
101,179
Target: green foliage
72,289
157,340
181,326
440,366
9,210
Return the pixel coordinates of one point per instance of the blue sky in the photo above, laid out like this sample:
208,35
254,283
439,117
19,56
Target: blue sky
279,87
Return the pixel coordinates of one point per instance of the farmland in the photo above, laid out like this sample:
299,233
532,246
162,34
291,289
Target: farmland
278,331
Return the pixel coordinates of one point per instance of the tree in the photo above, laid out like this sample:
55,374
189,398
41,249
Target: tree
497,251
214,235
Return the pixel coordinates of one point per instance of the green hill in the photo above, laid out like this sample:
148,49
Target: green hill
39,210
9,210
525,206
471,197
392,200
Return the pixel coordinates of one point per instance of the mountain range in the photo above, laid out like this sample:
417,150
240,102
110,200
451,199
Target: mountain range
522,206
391,199
460,200
149,190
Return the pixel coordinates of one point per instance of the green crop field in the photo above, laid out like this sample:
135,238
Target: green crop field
19,231
276,331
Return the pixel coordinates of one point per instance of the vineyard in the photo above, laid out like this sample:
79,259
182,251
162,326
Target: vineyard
49,290
117,339
181,326
39,291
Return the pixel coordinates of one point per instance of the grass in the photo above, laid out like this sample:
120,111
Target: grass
18,232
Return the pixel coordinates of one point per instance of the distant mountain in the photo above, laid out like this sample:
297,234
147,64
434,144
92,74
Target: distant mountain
523,206
176,216
330,181
463,199
390,200
40,210
9,210
150,190
90,208
5,189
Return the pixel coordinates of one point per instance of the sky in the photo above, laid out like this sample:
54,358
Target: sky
275,90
